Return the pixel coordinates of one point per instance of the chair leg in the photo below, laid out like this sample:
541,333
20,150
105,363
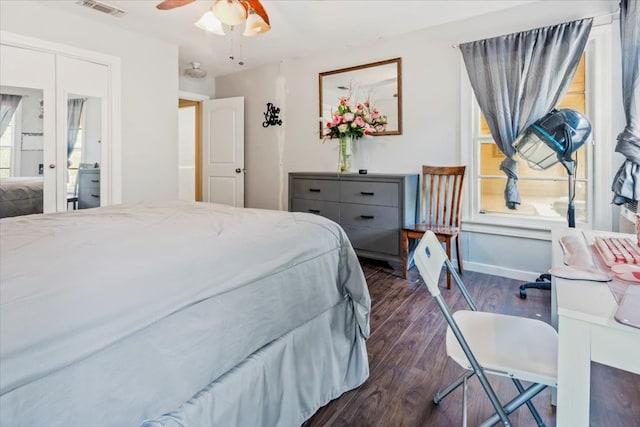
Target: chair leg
515,403
459,254
464,401
454,385
532,409
405,254
501,413
448,248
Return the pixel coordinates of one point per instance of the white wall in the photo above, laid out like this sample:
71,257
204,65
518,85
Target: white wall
92,130
263,179
431,80
205,86
149,91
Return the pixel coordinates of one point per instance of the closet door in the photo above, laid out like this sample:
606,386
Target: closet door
30,150
82,133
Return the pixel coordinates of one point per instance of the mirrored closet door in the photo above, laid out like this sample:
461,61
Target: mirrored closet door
82,89
27,143
54,146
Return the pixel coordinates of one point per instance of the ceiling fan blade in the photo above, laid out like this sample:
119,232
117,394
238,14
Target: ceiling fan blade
257,6
170,4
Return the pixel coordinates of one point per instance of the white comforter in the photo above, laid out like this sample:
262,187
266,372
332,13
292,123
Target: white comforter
75,284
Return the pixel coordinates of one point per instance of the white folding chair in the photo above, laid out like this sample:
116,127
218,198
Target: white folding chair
490,343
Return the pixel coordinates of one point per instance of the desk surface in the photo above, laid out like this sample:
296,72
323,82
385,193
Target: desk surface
583,300
587,331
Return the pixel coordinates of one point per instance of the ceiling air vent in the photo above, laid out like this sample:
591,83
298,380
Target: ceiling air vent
102,7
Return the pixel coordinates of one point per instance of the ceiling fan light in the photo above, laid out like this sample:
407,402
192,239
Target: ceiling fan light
209,22
255,26
195,71
230,12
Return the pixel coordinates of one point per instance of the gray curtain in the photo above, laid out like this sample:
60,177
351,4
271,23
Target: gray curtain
626,183
8,106
518,78
74,113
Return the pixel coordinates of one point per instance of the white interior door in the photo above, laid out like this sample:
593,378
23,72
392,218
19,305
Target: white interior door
223,151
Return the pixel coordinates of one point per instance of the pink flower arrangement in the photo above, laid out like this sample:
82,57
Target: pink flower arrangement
354,123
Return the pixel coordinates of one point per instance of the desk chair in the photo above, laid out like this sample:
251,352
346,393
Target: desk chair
440,211
490,343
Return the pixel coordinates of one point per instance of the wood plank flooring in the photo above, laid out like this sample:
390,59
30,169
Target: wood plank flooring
408,363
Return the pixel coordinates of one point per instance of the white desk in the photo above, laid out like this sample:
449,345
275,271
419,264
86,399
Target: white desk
583,313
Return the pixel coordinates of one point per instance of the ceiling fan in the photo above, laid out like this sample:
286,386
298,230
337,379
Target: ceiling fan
228,12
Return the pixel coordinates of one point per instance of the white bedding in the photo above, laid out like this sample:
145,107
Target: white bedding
21,196
129,311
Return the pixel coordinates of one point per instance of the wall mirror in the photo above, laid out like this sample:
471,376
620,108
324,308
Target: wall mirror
379,82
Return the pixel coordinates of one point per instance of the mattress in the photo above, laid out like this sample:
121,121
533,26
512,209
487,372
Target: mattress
20,196
121,314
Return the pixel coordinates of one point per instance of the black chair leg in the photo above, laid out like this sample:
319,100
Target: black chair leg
542,282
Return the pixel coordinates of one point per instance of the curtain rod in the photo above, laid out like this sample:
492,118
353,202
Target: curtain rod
614,14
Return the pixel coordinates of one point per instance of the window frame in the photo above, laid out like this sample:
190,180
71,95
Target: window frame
16,142
599,154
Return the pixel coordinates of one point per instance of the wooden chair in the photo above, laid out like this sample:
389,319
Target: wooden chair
440,211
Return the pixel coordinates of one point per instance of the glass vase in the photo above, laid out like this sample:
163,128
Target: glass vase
345,155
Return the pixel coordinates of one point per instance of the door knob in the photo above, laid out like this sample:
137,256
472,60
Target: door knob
238,170
52,166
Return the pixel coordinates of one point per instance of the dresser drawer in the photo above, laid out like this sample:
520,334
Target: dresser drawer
88,198
329,210
371,208
370,193
369,216
88,180
315,189
375,240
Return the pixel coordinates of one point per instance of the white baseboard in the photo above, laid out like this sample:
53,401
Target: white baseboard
525,276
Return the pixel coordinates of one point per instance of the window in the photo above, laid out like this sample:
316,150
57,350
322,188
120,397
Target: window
544,194
76,156
6,149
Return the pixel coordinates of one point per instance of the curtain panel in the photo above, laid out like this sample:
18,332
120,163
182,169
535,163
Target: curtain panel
518,78
8,106
626,183
74,114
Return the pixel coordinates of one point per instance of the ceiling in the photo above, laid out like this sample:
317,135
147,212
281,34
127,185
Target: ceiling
299,27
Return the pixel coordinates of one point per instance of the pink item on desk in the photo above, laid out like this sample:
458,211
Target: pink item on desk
617,250
628,272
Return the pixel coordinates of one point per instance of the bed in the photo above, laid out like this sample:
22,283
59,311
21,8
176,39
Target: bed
177,314
20,196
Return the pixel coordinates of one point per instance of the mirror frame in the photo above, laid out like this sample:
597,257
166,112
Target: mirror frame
398,62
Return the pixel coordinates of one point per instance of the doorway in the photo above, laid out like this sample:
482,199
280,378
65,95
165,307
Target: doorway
190,150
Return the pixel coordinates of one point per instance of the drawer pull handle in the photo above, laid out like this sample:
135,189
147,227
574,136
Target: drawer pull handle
95,195
314,190
95,180
366,193
366,216
315,211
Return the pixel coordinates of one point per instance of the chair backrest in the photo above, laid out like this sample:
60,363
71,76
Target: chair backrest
442,195
429,258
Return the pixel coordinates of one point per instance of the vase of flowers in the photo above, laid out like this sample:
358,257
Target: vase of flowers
345,154
348,124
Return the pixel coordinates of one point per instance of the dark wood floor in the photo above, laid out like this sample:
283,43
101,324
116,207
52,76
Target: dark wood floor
408,363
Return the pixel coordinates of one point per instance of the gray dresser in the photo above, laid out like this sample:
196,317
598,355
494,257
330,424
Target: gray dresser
88,188
371,208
